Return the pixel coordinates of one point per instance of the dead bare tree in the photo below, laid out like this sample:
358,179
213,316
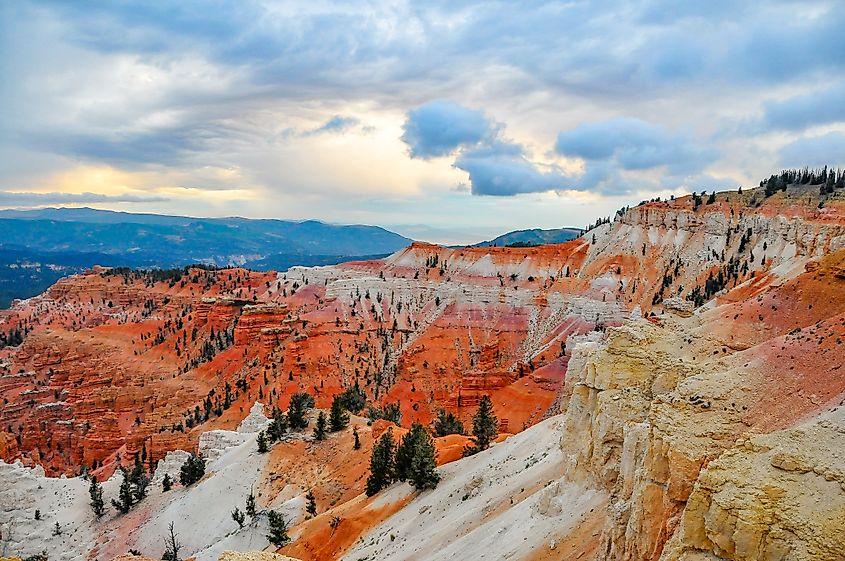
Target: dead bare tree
172,545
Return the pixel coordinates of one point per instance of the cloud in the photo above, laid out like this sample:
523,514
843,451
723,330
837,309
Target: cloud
169,147
337,124
183,87
634,145
495,167
439,128
800,112
815,151
25,199
503,170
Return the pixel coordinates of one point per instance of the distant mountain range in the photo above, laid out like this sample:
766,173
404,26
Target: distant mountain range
167,241
44,245
536,236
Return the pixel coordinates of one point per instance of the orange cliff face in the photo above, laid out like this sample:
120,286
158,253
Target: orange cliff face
116,364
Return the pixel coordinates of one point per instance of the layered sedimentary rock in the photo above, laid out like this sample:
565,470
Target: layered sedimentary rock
690,354
675,426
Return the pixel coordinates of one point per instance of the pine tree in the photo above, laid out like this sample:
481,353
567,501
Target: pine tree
485,426
311,507
278,426
415,458
300,403
125,495
140,480
96,493
423,473
447,423
406,450
238,517
320,429
357,444
382,464
192,470
262,442
278,528
338,417
250,504
166,483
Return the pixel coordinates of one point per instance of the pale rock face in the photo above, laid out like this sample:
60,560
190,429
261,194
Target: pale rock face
256,421
170,465
499,504
777,497
253,556
64,501
663,435
214,443
677,306
611,441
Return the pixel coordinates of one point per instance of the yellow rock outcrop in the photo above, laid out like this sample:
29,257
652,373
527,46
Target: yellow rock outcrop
779,496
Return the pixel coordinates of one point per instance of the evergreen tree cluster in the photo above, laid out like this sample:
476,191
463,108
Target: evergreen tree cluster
311,504
390,412
295,419
239,517
277,528
278,425
382,464
338,416
717,281
446,424
261,442
12,338
354,399
597,223
250,504
216,342
357,439
213,403
320,427
133,488
828,178
414,460
192,470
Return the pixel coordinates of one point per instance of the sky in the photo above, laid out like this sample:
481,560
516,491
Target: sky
449,122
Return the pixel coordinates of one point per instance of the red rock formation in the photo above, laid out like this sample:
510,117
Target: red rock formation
119,363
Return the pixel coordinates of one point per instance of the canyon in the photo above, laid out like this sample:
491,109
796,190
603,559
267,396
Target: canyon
668,387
